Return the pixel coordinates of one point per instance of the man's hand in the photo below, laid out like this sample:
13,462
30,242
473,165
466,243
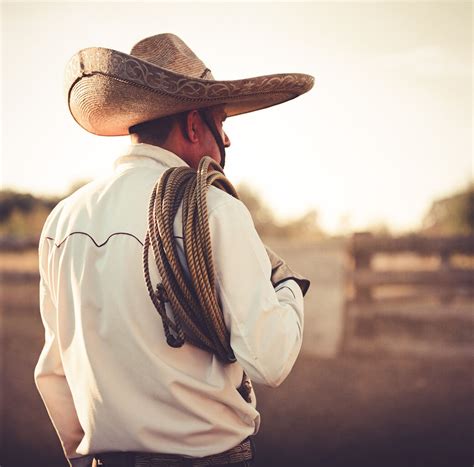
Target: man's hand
281,272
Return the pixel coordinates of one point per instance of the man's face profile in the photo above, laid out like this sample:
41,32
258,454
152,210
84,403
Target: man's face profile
209,144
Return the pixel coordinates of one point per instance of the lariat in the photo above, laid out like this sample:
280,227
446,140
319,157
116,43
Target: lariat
194,313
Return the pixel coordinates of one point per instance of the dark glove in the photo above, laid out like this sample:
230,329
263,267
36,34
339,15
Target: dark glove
282,272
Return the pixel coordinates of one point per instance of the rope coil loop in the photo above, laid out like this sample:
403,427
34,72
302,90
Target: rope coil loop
194,314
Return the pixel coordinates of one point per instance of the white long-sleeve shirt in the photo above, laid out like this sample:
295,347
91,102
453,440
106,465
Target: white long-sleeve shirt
107,376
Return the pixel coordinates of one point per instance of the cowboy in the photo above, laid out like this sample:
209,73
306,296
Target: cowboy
123,385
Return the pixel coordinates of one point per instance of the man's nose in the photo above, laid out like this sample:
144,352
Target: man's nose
226,140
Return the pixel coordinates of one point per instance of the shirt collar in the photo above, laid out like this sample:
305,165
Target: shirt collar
147,154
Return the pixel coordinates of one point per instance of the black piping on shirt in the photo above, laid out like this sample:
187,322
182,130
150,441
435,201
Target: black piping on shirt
92,238
95,243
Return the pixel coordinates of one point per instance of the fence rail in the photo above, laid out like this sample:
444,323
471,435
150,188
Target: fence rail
430,306
18,244
365,243
8,277
459,278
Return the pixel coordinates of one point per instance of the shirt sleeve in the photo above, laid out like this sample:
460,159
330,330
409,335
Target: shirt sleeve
265,324
50,378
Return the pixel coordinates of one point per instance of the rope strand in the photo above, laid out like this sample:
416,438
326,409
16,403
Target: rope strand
195,315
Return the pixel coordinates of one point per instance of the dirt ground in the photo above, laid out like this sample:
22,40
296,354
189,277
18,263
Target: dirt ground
346,410
367,411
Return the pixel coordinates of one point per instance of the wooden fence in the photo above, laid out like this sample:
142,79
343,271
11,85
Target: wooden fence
8,243
17,275
410,293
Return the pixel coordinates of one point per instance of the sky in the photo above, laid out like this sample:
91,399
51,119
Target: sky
386,130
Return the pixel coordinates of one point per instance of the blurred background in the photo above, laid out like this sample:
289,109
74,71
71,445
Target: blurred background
365,185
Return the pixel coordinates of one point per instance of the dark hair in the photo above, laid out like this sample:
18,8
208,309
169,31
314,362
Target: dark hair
159,129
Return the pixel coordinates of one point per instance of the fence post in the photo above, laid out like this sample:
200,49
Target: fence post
446,294
394,303
365,324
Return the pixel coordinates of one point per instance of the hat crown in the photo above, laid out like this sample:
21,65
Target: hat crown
170,52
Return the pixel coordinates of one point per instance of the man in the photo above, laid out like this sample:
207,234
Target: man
117,387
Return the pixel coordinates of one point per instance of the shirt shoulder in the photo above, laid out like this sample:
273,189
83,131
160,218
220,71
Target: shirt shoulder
221,203
112,204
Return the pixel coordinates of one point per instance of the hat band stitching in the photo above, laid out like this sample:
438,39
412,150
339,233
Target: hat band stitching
133,70
180,96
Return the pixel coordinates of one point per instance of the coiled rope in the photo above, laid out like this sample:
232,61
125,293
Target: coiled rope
196,315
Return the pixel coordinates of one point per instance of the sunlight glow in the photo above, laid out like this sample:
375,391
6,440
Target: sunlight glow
387,128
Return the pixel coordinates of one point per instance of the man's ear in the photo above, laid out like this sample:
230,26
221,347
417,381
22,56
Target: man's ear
192,126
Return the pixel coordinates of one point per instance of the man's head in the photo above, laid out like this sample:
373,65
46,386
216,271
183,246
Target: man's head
188,134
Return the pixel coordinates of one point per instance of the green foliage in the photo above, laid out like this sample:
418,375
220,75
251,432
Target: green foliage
9,201
22,214
261,214
304,227
452,215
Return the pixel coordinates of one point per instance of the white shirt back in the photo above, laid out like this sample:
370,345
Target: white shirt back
106,374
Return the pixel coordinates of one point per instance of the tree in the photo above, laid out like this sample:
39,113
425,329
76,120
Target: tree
22,214
262,215
304,227
452,215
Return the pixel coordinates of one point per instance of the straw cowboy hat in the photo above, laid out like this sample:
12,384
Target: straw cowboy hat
110,91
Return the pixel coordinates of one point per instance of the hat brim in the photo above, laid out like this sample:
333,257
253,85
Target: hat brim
110,91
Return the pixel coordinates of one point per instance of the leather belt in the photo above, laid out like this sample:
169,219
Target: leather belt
242,452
